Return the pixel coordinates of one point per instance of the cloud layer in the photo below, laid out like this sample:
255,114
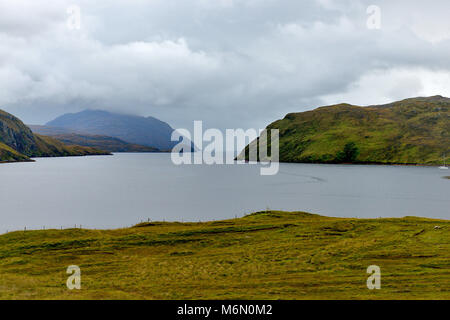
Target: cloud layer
231,63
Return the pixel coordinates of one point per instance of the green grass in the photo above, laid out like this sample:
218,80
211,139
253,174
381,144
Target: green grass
412,131
8,154
266,255
99,142
51,147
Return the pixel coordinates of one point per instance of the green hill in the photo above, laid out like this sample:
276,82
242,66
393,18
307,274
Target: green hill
19,143
411,131
8,154
101,142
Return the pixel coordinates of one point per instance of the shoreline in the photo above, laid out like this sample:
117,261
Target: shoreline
34,159
81,155
371,163
16,161
288,162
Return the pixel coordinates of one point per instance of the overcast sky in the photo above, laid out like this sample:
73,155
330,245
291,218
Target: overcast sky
231,63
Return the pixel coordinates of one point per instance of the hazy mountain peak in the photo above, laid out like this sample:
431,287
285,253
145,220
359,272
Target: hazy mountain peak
18,142
147,131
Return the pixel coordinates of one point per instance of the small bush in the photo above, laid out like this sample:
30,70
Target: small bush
349,154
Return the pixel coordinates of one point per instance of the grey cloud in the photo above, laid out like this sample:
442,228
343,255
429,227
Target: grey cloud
231,63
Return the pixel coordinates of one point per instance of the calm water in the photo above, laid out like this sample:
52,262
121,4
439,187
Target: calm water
121,190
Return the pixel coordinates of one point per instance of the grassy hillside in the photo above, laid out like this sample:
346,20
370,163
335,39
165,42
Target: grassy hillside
266,255
102,142
412,131
8,154
19,143
51,147
16,135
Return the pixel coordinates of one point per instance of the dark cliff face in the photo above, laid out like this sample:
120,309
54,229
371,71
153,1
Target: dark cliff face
16,135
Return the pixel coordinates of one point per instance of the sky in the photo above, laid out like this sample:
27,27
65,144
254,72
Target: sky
230,63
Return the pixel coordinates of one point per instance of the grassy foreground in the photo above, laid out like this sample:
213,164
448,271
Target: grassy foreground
266,255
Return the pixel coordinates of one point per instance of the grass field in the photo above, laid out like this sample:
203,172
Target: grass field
266,255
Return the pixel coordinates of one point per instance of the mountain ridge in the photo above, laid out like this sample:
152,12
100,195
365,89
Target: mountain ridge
101,142
146,131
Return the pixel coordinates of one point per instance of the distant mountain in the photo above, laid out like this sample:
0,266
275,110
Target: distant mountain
106,143
51,131
102,142
147,131
19,143
411,131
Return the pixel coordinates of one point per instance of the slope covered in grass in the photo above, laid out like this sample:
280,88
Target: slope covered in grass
102,142
267,255
8,154
412,131
51,147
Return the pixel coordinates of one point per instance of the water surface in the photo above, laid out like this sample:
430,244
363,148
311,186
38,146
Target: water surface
121,190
